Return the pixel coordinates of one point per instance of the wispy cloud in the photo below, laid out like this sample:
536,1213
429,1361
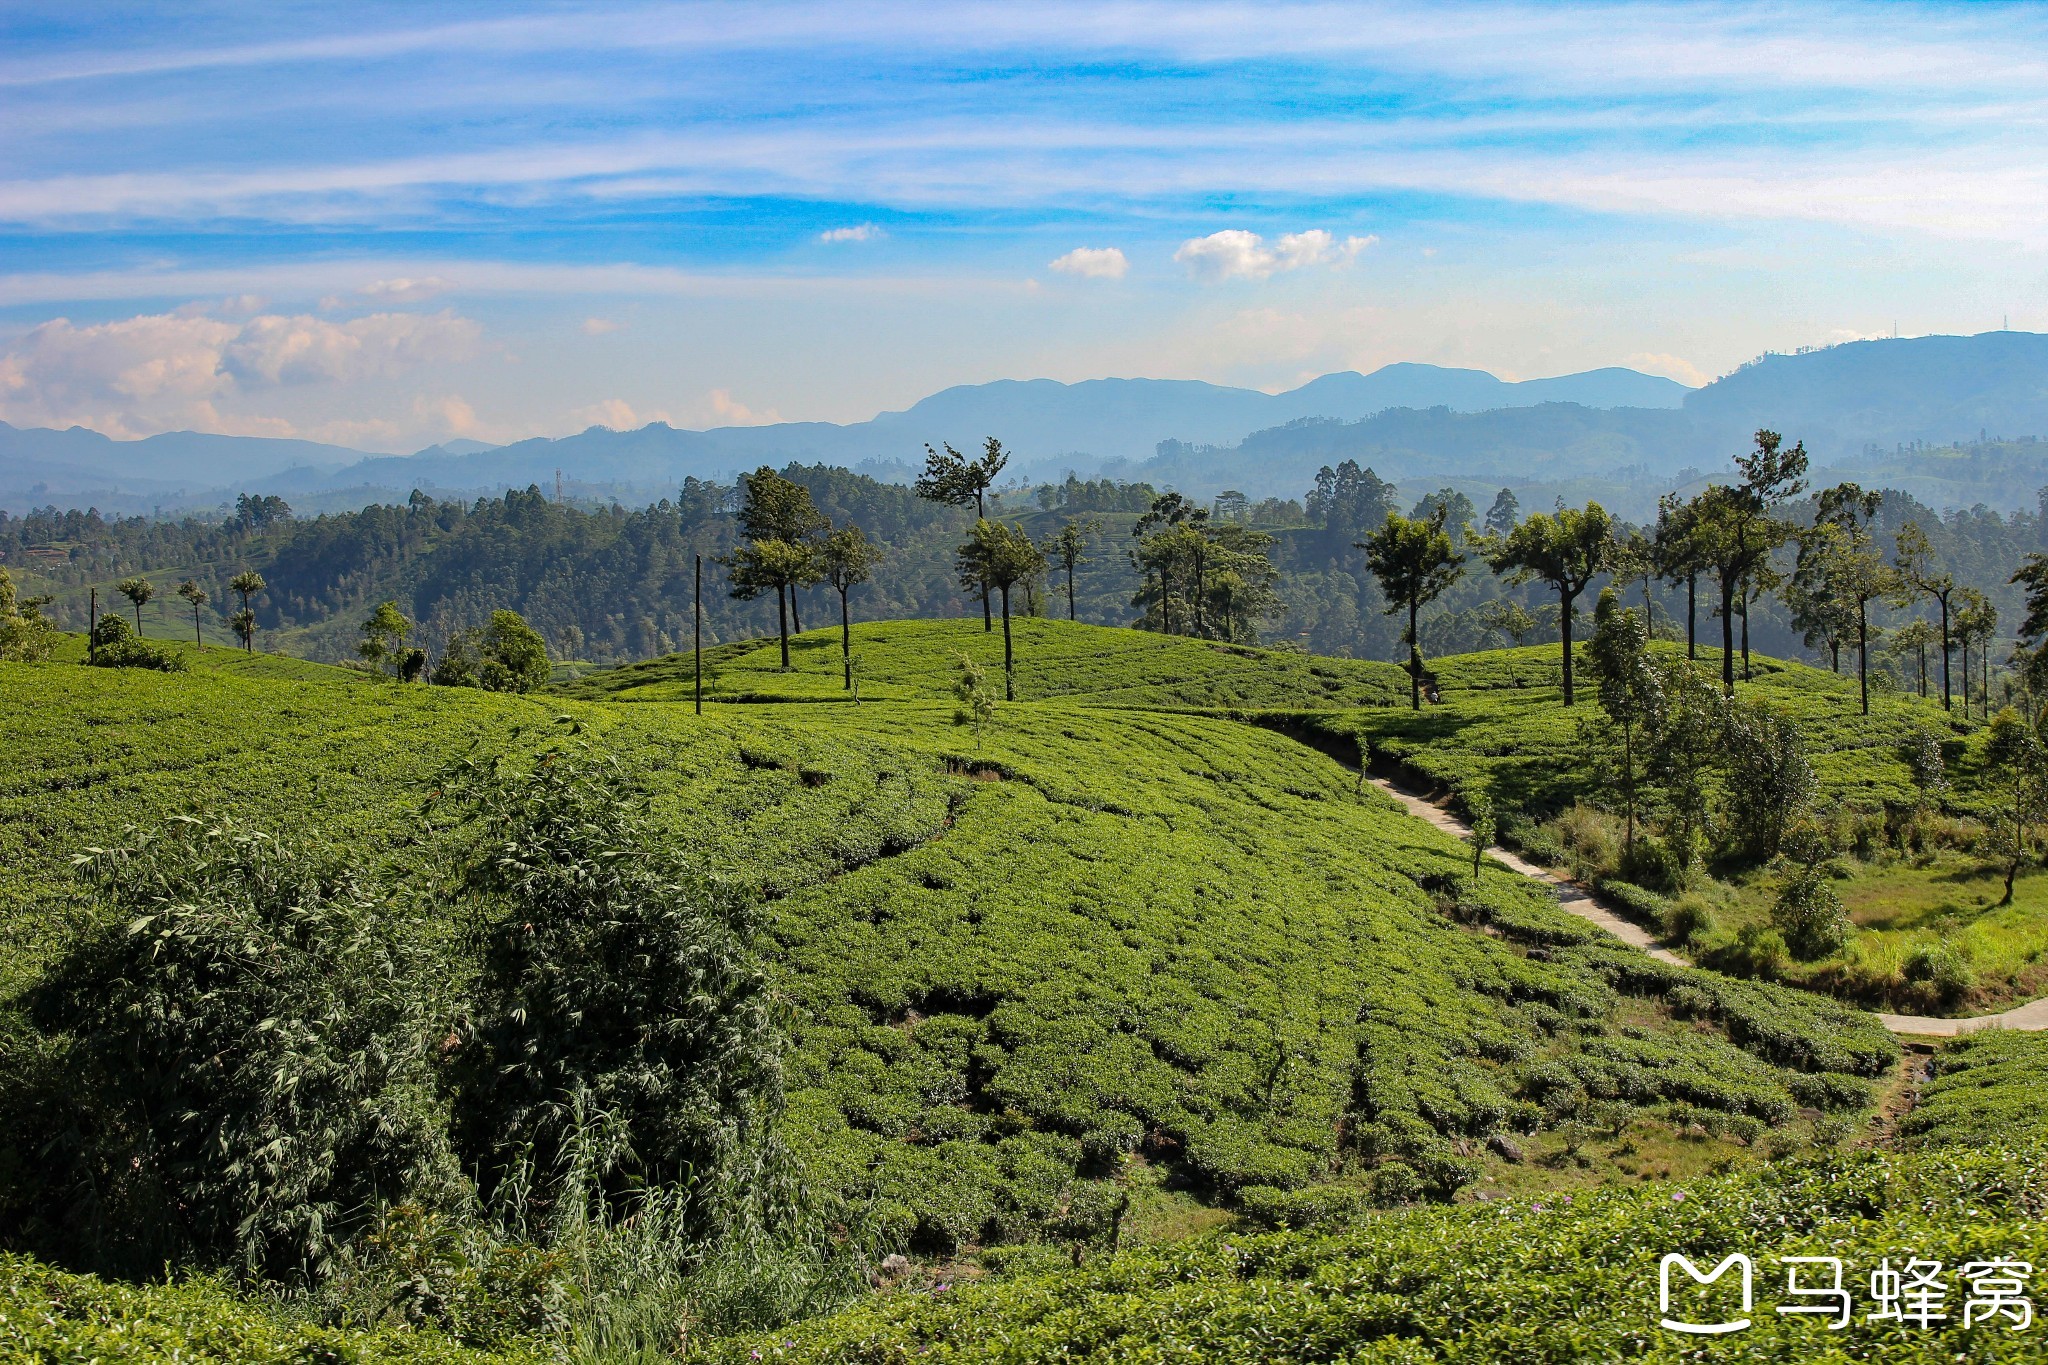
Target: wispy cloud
862,232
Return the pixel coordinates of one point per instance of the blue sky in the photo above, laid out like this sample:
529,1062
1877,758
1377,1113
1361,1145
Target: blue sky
385,225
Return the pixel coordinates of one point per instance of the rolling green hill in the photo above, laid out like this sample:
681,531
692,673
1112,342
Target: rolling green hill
1056,660
1121,965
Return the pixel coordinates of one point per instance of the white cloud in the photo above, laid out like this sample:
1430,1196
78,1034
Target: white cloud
617,414
863,232
1237,254
162,371
273,349
1670,366
727,411
1093,263
404,290
597,327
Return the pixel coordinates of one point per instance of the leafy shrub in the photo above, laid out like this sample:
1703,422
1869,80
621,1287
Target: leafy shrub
1942,968
1690,919
116,645
1760,950
25,635
621,1028
248,1030
505,656
1808,914
1319,1206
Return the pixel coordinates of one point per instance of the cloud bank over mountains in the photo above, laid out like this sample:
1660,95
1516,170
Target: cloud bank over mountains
170,371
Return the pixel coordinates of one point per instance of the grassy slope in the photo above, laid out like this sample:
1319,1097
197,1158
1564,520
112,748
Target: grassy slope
1099,665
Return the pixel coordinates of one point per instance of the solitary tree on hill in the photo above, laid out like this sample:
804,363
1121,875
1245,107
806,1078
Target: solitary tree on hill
1415,562
383,642
1000,556
760,565
1679,548
248,583
847,557
1977,624
1068,548
1916,563
953,480
1504,515
1840,555
1631,693
774,508
1565,550
1738,533
196,596
137,591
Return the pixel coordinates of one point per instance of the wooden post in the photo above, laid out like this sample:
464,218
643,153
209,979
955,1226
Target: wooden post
92,628
700,635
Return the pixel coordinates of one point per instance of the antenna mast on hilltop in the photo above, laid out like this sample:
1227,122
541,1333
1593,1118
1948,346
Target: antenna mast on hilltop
558,488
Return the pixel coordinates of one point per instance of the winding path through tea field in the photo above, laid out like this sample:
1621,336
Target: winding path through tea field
1577,899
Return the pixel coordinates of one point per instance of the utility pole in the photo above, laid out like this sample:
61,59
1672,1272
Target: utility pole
700,634
92,629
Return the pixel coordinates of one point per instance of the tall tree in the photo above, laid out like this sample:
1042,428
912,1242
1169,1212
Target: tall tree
775,508
1916,635
954,480
1918,566
847,557
1631,693
384,635
1415,563
197,598
1068,548
1738,532
1504,515
247,583
1000,556
138,591
1566,550
760,565
1977,624
1680,547
1842,561
2018,759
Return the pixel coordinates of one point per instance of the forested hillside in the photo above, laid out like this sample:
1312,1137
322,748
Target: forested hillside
609,584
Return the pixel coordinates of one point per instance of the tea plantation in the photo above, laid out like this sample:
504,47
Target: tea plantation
1110,964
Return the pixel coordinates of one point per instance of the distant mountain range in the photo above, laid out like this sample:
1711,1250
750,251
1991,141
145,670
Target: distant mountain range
1846,402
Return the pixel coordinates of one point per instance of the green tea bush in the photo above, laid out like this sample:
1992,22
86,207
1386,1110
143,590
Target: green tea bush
47,1315
1553,1280
1982,1088
1644,906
